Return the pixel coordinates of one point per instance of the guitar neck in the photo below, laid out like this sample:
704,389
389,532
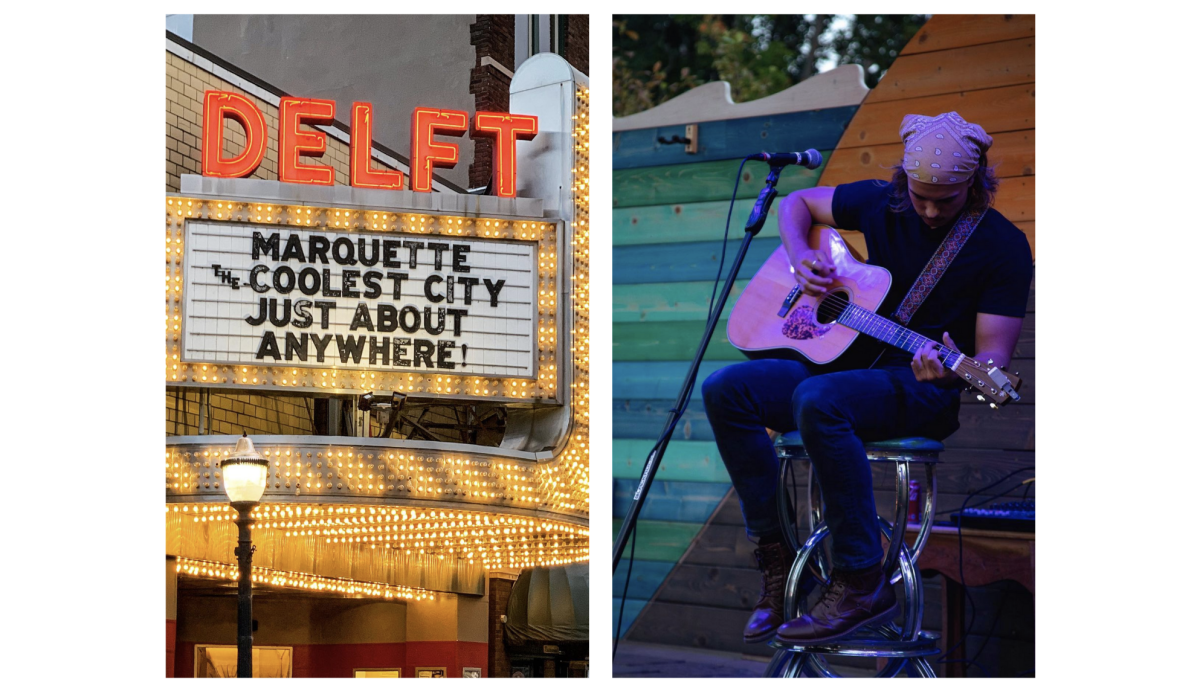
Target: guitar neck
888,331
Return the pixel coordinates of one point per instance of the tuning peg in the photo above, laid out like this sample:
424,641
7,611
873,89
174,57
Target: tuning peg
980,397
994,406
991,362
1016,374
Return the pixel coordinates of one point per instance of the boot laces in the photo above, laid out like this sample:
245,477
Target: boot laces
832,593
771,572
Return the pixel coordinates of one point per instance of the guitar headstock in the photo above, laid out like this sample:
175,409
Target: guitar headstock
989,381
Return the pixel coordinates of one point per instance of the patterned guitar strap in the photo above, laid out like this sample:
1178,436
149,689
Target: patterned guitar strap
923,286
937,265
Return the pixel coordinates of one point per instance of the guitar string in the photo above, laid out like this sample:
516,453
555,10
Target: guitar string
872,320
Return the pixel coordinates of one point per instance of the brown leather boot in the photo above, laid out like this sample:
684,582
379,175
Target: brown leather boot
848,603
774,560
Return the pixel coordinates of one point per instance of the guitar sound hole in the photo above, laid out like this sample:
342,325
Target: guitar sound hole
832,306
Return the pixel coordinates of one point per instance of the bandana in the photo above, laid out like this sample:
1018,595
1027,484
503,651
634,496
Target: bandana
943,149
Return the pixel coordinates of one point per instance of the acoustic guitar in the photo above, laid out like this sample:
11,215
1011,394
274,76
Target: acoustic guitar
773,313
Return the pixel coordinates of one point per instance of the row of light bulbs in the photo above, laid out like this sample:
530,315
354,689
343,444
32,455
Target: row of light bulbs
179,209
427,475
493,539
261,576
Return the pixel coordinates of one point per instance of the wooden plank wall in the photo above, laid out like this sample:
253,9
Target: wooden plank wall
983,68
669,217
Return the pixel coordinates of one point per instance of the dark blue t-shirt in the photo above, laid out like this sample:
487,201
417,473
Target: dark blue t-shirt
991,273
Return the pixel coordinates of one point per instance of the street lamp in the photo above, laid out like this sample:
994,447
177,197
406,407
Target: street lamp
245,477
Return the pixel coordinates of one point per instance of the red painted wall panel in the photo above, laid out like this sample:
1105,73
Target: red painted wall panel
170,648
341,659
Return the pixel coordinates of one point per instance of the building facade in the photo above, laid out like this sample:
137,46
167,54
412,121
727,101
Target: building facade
412,364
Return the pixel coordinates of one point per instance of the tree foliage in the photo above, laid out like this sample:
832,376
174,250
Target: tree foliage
657,57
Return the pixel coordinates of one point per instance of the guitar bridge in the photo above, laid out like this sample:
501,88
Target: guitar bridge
788,301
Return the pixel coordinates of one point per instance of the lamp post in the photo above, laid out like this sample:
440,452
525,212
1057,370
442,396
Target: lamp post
245,477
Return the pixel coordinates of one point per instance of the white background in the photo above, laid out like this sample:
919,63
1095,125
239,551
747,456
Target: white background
1116,264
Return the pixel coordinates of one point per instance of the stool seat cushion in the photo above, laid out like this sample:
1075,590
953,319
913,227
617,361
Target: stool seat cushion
792,442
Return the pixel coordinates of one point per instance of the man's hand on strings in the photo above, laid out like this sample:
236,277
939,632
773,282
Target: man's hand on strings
927,366
814,272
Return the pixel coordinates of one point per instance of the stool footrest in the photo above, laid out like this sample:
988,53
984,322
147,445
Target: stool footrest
925,645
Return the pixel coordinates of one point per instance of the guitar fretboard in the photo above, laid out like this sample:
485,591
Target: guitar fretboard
888,331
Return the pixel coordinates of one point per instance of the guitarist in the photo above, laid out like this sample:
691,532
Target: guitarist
979,304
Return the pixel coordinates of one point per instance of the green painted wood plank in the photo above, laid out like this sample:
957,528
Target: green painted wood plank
733,138
702,182
669,340
696,461
696,222
660,302
660,540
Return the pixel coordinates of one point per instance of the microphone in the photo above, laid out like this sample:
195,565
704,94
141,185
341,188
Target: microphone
810,159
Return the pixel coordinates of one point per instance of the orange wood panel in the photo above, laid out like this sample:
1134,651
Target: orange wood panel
946,31
1005,109
1012,155
991,65
1014,199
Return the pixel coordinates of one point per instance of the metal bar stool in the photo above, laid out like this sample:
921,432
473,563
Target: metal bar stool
904,645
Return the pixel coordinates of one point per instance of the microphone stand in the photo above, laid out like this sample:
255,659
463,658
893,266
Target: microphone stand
758,217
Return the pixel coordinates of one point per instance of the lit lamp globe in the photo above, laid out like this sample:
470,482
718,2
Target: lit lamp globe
244,474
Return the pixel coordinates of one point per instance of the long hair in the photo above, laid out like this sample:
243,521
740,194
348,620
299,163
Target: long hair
980,194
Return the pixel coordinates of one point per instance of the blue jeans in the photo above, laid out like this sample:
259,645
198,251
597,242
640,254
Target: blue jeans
835,411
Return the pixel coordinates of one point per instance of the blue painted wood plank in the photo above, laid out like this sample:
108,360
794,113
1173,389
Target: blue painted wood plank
647,576
659,379
736,138
632,609
642,419
690,502
693,461
704,182
691,261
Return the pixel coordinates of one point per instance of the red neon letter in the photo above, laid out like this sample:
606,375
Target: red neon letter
361,174
428,154
506,129
219,105
293,141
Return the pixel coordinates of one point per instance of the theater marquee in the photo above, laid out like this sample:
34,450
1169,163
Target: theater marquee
261,295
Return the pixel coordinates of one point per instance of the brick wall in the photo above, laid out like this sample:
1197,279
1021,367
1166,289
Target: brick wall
186,85
499,590
234,413
492,35
577,41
